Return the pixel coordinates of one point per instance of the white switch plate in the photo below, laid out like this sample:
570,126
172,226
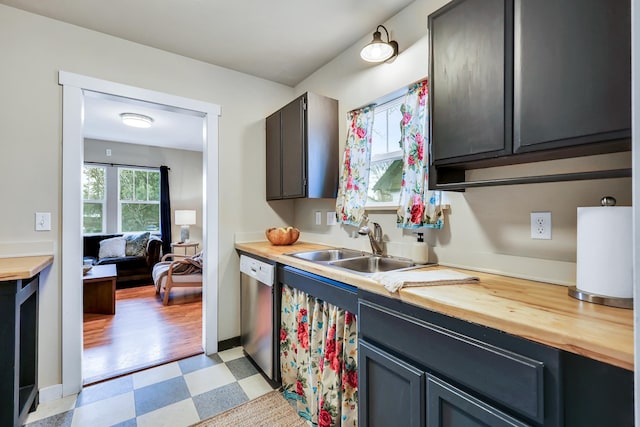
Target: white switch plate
331,218
108,152
541,225
43,221
318,218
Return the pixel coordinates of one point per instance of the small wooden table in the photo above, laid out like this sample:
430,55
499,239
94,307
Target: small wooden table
100,289
193,245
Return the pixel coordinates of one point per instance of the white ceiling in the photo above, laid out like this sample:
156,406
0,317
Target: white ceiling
284,41
171,128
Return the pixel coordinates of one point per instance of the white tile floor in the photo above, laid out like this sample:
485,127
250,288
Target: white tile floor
176,394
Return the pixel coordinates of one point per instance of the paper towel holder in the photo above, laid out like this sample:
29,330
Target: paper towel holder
602,299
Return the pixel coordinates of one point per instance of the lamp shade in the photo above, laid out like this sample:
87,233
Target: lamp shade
379,50
185,217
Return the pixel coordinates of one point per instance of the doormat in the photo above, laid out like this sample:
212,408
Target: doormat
268,410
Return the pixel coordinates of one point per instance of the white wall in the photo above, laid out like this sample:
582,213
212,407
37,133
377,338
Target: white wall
34,49
185,176
486,228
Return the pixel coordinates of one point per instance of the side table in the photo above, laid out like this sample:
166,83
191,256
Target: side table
184,246
99,287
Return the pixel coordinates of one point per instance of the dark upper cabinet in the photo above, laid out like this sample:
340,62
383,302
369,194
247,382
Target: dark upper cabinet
469,75
572,77
302,149
515,81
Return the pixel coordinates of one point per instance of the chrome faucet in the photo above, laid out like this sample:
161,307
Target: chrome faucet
375,238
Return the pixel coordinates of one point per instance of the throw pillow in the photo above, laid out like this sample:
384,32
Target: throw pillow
136,244
112,248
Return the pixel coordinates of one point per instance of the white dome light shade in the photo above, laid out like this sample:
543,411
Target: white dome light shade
136,120
376,52
379,50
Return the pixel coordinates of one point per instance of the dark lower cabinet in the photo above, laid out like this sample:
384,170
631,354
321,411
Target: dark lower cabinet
19,356
448,406
391,391
421,368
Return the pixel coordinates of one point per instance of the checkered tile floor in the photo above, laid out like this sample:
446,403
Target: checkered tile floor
176,394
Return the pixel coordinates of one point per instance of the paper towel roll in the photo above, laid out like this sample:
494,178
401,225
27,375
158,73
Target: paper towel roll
604,251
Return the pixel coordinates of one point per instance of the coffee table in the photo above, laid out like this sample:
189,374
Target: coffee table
99,287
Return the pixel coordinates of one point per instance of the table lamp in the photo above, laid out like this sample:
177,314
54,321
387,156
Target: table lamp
185,218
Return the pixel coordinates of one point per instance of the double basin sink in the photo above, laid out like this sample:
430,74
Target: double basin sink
355,261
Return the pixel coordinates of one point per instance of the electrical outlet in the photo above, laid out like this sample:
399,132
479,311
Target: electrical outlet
541,225
331,218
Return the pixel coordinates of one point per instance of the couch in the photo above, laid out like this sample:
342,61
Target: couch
133,270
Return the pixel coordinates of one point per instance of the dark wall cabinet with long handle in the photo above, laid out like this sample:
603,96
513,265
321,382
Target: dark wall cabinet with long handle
421,368
19,357
515,81
302,149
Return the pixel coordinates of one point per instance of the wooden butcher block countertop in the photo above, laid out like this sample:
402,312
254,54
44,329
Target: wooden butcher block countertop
23,267
537,311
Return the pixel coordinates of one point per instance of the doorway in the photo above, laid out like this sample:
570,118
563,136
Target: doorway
143,332
74,88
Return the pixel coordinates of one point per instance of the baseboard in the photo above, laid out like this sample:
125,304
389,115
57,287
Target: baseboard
53,392
228,343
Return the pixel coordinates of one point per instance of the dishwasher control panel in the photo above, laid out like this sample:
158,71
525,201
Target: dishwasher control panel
259,270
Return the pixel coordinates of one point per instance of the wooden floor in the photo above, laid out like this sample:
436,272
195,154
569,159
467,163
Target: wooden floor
142,333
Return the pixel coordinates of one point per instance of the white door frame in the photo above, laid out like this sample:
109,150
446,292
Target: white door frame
73,86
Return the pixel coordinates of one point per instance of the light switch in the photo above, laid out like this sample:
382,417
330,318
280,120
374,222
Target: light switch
318,218
43,221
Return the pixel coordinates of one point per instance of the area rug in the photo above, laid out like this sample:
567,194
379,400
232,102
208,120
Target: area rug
268,410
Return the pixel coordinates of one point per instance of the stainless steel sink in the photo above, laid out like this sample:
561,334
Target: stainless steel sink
372,264
327,255
354,261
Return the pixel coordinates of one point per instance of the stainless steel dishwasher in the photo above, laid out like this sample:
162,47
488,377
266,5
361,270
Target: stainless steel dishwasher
257,320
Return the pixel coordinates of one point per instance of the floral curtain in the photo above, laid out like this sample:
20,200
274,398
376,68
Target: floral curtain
417,208
354,180
318,359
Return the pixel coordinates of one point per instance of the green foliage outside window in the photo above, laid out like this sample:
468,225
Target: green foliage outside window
93,196
139,200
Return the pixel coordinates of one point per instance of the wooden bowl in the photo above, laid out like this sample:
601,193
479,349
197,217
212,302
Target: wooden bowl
282,236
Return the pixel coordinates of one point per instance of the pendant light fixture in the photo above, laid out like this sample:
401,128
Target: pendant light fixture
379,50
136,120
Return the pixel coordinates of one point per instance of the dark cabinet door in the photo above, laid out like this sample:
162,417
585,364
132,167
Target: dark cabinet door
470,79
391,392
274,157
449,407
293,138
572,72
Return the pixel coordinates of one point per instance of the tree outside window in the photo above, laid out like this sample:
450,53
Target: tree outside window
385,174
139,200
93,199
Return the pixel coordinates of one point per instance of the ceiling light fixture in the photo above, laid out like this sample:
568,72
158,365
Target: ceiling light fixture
379,50
136,120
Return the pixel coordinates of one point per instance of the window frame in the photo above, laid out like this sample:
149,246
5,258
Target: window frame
102,202
120,201
393,100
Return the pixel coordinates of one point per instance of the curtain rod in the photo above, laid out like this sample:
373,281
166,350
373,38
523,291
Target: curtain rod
125,165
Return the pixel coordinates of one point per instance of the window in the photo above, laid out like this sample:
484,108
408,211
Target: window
385,175
139,200
93,199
